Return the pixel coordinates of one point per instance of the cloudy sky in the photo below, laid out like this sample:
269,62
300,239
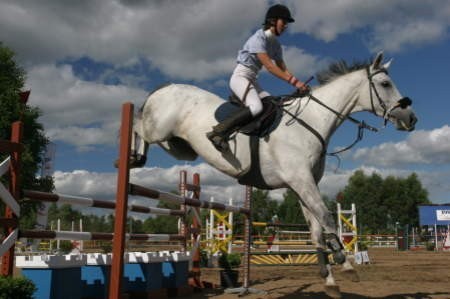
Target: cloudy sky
84,58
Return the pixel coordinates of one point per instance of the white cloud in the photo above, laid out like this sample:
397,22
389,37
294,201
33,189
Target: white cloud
219,186
103,185
300,62
436,182
185,39
199,39
78,112
420,147
393,24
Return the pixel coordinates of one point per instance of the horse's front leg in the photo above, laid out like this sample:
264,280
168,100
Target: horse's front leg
311,199
321,218
325,271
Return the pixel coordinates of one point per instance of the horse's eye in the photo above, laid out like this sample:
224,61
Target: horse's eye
386,84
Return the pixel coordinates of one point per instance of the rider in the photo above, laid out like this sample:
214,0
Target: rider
261,49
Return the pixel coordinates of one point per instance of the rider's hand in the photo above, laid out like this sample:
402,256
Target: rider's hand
303,88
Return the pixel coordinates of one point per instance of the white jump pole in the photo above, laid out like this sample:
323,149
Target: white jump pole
81,230
211,226
435,237
58,228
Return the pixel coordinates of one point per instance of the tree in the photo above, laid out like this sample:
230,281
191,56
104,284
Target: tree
161,223
12,78
263,207
66,214
290,210
381,203
402,198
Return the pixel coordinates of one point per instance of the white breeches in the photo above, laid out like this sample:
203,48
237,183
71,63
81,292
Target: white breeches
243,79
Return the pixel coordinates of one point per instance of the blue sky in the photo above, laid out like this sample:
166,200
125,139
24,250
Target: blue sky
84,58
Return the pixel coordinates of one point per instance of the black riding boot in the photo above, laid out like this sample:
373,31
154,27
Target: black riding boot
222,131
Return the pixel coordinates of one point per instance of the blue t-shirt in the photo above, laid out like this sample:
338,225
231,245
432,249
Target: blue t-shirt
259,42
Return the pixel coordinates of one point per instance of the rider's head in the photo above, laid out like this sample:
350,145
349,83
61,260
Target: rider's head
277,18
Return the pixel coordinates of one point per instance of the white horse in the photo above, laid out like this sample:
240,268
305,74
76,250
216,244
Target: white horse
177,117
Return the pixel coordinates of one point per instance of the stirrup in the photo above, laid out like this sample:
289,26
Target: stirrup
218,141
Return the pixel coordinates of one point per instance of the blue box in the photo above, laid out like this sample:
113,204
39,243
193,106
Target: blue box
143,271
62,283
134,279
175,274
95,281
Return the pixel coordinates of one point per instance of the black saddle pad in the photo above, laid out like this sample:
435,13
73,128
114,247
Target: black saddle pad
262,125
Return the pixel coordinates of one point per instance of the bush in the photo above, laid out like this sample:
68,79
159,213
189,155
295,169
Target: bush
204,258
65,246
363,244
229,261
429,246
106,247
16,288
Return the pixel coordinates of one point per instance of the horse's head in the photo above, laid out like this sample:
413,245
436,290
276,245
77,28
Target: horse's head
385,99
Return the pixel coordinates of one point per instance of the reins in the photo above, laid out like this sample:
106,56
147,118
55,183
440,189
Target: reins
360,124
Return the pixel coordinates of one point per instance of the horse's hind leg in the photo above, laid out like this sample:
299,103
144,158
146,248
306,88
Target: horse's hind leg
138,151
139,148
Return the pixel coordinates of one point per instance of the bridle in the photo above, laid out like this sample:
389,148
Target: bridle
402,103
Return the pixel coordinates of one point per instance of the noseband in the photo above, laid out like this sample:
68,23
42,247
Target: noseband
402,103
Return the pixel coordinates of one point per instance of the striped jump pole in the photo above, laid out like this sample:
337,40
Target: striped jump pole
272,224
172,198
95,203
269,243
86,236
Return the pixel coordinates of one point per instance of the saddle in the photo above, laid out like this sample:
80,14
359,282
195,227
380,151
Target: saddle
265,122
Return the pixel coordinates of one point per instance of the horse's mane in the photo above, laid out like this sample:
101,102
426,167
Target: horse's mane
339,68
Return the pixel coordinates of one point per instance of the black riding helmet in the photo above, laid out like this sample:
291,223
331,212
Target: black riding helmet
279,11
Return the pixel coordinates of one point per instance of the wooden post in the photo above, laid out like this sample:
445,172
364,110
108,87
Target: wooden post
14,189
183,207
247,236
123,177
196,226
246,289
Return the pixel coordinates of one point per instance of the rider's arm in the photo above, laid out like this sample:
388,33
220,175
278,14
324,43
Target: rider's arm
279,70
282,66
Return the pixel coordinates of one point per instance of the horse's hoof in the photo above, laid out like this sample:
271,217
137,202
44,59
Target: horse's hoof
339,257
135,161
350,274
333,291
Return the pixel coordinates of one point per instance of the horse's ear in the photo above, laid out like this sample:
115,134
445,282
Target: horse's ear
388,64
377,61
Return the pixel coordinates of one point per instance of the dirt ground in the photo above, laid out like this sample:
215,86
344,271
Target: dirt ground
391,274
